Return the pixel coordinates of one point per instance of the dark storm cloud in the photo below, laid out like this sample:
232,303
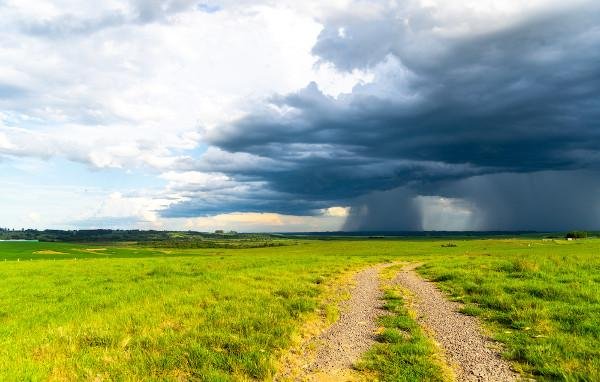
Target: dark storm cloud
201,206
545,200
245,196
520,99
385,210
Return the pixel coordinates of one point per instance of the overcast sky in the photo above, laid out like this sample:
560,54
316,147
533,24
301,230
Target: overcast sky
300,115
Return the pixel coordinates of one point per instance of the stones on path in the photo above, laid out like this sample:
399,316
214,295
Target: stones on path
354,333
473,356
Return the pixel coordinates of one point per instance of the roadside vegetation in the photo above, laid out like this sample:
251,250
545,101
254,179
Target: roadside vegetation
403,352
540,298
123,311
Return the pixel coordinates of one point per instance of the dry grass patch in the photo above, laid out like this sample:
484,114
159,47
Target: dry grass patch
48,252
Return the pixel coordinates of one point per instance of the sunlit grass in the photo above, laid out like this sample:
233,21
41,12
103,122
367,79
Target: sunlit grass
210,316
131,313
541,299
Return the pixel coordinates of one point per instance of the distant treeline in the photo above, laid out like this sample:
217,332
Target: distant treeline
576,235
185,239
215,243
220,239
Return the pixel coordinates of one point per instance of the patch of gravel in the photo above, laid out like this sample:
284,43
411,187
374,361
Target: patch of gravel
473,356
347,339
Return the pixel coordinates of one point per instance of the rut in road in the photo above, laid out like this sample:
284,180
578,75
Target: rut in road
337,348
473,356
354,333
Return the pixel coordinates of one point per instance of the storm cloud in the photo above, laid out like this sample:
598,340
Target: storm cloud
452,102
546,200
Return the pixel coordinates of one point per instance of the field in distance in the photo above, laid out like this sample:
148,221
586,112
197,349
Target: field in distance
129,312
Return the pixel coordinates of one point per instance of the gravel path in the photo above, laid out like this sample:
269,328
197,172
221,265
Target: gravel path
354,333
473,356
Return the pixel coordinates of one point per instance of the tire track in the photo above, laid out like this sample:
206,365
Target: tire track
473,356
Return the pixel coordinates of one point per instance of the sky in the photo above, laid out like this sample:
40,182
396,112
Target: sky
263,115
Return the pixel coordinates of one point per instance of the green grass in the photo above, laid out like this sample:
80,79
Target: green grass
403,352
541,299
131,313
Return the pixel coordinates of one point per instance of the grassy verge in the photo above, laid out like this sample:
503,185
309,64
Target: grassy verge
403,352
542,300
303,344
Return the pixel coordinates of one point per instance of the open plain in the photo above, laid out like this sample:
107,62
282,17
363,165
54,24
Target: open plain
127,312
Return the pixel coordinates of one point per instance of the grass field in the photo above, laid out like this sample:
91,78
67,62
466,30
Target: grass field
540,298
110,312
